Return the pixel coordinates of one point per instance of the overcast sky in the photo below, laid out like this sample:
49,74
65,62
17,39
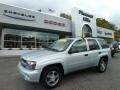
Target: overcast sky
108,9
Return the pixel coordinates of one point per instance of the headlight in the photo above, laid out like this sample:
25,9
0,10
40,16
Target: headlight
112,48
31,65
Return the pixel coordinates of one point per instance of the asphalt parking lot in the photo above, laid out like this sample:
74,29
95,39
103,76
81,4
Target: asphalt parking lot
83,80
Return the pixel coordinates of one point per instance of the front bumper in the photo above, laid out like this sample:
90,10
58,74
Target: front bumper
29,75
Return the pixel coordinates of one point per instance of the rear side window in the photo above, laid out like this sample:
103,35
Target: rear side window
119,43
103,43
93,45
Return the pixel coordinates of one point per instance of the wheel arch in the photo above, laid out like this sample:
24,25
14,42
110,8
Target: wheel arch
105,56
59,65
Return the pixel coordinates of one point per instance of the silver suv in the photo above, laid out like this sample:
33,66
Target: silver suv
67,55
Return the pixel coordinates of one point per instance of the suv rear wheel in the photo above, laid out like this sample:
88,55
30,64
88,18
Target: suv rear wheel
102,66
51,77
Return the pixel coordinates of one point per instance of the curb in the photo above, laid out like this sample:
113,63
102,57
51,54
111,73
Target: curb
3,57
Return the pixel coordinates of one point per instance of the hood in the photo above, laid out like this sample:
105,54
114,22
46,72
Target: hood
33,56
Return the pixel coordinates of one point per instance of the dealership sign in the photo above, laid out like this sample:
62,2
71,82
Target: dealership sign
19,15
54,23
86,19
105,33
85,14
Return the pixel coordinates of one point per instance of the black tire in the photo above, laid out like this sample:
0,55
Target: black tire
112,54
102,66
46,74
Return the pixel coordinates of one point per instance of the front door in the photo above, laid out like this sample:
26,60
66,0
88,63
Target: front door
78,56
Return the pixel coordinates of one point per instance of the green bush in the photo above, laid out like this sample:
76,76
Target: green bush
20,48
30,48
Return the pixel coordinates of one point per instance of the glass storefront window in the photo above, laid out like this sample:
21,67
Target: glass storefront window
27,39
86,31
28,44
12,44
12,37
41,41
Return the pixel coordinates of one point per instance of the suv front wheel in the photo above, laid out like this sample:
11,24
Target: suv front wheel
102,66
51,77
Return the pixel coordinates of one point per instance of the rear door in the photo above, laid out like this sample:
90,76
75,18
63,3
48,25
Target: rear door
93,52
105,49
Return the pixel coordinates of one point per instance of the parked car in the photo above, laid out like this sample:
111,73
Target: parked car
119,45
67,55
114,48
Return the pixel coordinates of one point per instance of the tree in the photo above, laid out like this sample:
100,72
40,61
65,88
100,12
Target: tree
105,24
117,35
65,16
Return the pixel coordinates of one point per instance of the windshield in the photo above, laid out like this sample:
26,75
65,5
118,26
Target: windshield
60,45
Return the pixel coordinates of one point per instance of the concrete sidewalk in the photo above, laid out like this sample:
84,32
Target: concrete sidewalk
13,53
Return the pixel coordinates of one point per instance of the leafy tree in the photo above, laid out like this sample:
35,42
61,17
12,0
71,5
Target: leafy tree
117,35
105,24
65,16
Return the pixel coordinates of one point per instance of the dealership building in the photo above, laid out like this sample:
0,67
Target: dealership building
22,28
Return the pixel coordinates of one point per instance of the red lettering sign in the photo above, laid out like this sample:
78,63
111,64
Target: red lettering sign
45,21
54,23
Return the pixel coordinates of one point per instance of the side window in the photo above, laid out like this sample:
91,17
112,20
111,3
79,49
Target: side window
103,43
79,46
93,45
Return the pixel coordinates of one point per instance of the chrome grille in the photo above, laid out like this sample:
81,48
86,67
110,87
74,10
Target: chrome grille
23,62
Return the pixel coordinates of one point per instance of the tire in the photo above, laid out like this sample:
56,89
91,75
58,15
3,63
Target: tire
112,54
51,77
102,66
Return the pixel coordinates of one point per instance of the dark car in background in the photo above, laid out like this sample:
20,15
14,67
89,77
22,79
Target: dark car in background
119,45
114,47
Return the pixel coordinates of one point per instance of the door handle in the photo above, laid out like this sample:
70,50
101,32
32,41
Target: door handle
99,52
86,54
